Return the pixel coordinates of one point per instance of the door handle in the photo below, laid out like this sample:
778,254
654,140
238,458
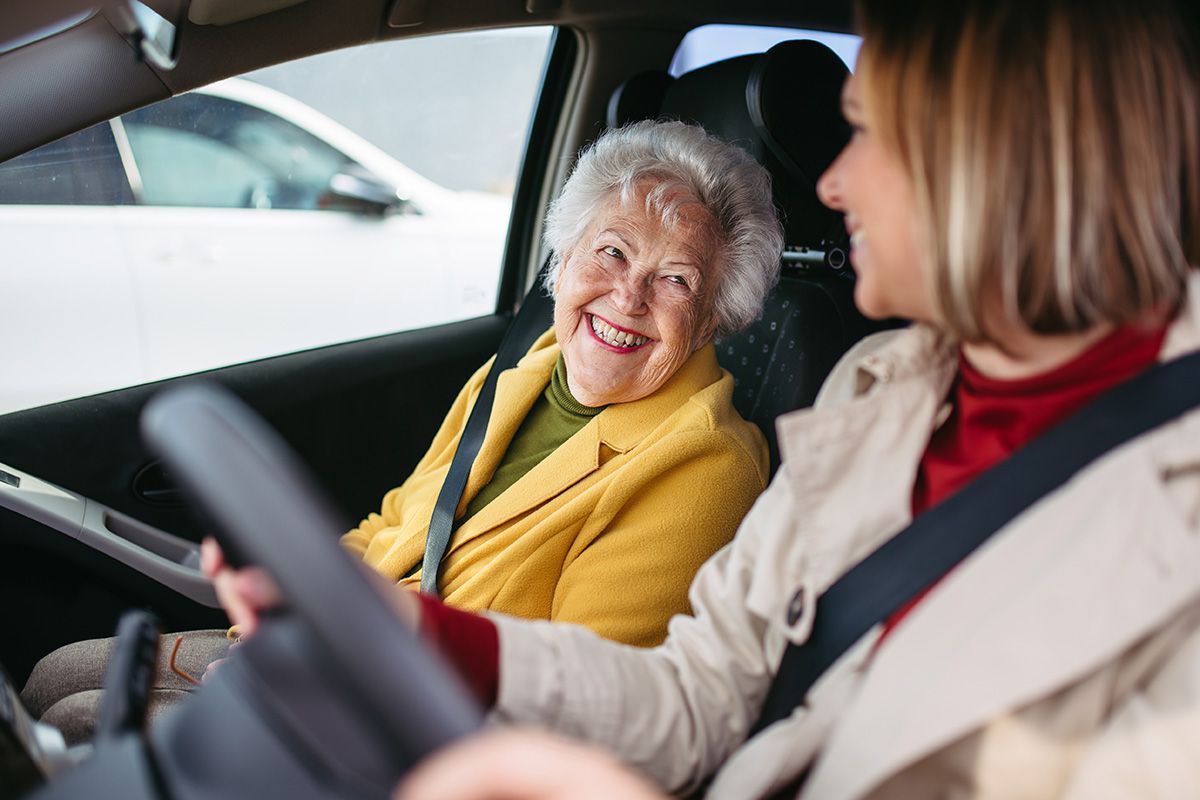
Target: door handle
153,485
161,556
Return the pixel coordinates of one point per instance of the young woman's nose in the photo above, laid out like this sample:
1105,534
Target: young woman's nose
829,187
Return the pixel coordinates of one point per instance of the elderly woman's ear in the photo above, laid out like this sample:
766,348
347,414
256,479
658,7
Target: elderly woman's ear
705,332
711,321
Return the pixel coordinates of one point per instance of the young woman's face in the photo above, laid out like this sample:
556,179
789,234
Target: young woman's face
869,184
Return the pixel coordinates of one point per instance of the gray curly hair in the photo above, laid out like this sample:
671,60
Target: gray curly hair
689,165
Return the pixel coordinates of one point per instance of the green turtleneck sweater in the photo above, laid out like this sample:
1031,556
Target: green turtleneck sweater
554,418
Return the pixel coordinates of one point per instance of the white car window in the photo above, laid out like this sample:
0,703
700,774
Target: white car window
343,196
181,168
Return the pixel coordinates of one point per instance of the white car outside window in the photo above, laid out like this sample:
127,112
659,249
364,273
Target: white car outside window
227,224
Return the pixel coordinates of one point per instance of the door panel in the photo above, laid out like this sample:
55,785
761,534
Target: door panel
360,414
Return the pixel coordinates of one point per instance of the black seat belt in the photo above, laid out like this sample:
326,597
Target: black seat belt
946,534
531,321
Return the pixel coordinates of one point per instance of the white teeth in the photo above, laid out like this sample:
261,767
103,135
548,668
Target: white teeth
614,337
857,239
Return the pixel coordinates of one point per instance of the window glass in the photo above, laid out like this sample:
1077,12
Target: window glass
83,169
711,43
208,151
181,168
343,196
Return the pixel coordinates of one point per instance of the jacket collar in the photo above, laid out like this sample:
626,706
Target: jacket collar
619,427
891,389
1063,590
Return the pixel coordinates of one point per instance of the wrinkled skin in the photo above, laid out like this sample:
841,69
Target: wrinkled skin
642,278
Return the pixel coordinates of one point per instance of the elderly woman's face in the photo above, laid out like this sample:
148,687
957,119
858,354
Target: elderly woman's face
633,300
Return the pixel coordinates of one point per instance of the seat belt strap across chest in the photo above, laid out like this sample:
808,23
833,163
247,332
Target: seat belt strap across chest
943,536
529,323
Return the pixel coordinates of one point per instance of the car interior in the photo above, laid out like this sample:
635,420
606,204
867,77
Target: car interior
97,518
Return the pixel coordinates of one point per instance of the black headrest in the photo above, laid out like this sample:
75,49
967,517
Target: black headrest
714,96
638,98
794,98
782,106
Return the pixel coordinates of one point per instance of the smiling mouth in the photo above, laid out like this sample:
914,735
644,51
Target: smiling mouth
615,337
857,240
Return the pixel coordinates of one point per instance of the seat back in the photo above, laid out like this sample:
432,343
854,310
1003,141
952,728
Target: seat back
783,107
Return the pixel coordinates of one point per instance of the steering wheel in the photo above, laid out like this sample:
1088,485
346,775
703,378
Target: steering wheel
335,696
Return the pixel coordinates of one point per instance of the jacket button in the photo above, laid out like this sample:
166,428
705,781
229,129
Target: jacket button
796,607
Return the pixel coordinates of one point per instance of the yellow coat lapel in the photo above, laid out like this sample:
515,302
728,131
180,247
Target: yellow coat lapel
517,389
619,427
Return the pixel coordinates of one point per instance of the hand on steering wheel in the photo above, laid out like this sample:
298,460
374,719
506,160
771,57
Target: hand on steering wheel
246,593
243,593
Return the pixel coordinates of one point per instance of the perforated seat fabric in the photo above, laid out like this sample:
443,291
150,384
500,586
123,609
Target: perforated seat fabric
780,361
783,107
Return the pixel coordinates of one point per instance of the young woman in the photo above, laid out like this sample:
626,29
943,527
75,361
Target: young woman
1023,183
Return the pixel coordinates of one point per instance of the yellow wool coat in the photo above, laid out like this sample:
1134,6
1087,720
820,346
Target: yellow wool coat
609,529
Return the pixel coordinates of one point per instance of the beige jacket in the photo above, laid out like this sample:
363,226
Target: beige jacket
1061,659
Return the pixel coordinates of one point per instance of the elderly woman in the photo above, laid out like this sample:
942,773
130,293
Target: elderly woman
1024,183
663,236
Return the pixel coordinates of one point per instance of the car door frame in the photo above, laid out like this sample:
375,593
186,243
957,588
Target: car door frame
90,444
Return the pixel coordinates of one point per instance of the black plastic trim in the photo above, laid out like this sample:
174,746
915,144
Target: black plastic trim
535,166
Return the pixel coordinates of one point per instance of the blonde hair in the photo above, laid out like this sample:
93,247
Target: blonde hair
1053,147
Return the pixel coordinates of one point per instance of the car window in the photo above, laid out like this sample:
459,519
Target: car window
206,151
711,43
343,196
84,169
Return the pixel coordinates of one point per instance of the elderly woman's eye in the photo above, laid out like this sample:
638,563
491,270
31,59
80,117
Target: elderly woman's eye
615,252
679,280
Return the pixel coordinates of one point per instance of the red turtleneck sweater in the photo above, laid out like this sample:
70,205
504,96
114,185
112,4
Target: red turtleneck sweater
991,419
